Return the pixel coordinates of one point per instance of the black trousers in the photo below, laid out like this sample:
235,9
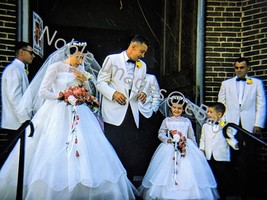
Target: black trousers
129,144
223,173
247,165
134,146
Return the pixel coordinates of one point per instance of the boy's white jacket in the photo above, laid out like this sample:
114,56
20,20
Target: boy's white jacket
213,143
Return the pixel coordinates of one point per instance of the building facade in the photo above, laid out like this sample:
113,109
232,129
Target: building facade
193,43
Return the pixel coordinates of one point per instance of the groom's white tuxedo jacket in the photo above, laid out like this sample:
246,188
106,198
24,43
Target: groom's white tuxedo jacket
113,77
252,111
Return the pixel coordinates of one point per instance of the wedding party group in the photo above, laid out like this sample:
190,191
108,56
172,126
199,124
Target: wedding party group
97,128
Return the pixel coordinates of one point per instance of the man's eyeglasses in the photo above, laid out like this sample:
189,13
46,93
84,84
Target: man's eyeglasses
237,68
31,52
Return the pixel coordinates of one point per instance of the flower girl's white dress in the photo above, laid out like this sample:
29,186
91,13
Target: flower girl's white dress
172,176
66,158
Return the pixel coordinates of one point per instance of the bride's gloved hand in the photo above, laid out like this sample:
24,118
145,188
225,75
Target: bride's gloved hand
79,76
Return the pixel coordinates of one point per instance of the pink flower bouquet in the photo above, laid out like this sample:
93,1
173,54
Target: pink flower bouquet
77,95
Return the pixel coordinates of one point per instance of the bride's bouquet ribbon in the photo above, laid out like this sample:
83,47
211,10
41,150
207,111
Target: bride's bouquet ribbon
72,137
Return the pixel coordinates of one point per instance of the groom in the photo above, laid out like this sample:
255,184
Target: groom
121,82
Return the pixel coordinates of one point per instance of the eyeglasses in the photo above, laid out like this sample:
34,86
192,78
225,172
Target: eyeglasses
31,52
237,68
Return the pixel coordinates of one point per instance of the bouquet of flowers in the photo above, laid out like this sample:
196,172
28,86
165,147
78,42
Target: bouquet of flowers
179,139
77,95
179,143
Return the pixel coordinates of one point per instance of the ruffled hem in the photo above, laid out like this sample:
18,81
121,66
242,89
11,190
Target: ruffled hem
162,192
121,190
171,176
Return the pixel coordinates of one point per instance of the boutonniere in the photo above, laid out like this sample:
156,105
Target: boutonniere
138,63
249,81
27,70
222,123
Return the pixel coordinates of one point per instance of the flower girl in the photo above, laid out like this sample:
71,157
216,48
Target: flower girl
178,169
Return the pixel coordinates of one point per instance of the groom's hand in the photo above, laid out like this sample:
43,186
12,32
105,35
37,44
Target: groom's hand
142,97
119,98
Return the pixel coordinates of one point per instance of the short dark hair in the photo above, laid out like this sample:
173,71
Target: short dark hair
21,45
218,107
141,39
242,59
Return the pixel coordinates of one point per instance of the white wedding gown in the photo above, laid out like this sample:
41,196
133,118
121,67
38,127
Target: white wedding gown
52,169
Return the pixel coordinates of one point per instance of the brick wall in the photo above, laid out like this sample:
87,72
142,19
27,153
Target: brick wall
234,28
254,34
8,31
222,43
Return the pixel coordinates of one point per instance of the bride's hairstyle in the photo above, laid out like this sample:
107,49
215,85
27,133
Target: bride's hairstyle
75,47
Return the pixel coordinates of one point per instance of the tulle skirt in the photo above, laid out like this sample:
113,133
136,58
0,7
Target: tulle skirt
69,157
171,176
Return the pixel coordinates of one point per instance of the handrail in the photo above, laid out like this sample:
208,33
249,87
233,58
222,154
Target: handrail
242,130
19,132
20,135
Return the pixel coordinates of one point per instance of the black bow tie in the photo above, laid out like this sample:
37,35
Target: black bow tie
241,79
131,61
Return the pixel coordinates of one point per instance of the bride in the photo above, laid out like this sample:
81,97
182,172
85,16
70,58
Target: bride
69,156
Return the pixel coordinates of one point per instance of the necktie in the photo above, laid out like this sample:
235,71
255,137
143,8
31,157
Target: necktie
131,61
241,79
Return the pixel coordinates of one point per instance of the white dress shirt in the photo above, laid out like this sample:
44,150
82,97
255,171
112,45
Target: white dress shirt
130,67
240,89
